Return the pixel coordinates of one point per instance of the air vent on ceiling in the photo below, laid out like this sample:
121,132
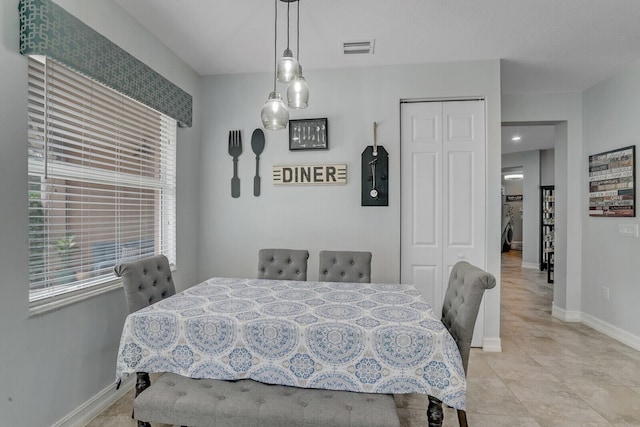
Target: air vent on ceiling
362,47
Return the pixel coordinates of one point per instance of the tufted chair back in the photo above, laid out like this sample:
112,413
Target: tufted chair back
345,266
146,281
467,284
282,264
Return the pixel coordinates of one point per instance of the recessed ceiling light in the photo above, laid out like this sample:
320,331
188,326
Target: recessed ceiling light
516,138
513,176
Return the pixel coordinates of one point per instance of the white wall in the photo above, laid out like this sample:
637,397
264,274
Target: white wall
565,109
530,162
54,363
329,217
547,166
611,121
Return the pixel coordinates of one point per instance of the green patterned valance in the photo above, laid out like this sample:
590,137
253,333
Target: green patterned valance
49,30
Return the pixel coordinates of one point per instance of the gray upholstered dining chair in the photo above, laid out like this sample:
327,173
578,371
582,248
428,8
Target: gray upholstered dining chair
467,284
145,281
282,264
345,266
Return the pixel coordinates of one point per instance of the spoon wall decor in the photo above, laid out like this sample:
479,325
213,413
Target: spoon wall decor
257,145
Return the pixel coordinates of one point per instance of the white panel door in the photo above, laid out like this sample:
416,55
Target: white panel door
421,184
443,195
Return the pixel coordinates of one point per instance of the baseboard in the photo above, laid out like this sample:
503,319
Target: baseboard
614,332
516,246
530,265
564,315
94,406
599,325
492,344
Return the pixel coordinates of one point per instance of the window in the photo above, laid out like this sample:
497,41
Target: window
102,182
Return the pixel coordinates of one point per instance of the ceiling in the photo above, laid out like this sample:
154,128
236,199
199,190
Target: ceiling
545,45
532,137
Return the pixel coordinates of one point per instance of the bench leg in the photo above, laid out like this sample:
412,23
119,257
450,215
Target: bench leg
435,416
462,418
142,383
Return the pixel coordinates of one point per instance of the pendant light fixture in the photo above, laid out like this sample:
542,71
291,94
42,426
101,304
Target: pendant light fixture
298,90
274,114
287,66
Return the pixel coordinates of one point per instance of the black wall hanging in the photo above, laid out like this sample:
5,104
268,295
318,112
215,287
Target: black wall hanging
375,174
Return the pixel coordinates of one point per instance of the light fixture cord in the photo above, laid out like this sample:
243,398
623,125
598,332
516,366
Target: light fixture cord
298,35
275,45
288,5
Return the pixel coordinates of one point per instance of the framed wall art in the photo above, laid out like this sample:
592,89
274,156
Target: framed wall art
612,177
308,134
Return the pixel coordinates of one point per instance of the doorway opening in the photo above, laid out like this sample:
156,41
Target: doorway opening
512,209
528,164
528,152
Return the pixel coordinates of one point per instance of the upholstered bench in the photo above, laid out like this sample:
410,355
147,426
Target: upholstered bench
174,399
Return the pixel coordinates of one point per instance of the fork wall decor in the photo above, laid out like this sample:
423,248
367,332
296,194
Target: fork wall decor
235,149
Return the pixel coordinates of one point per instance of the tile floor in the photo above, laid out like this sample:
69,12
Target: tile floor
549,373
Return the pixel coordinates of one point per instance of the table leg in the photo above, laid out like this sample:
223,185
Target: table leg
142,382
435,416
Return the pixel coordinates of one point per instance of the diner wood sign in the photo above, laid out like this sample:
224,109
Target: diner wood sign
310,174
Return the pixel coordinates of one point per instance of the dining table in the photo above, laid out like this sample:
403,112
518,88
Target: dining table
359,337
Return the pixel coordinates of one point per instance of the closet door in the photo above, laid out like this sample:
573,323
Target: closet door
442,195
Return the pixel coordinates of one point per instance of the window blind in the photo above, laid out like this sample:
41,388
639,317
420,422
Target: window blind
102,181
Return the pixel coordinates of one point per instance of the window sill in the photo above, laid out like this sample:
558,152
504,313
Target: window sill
47,305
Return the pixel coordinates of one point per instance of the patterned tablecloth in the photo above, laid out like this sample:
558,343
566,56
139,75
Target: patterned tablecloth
376,338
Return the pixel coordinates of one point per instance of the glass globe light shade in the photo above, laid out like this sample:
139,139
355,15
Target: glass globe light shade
287,67
298,92
274,114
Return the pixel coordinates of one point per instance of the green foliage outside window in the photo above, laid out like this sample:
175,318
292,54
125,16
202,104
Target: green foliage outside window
36,227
